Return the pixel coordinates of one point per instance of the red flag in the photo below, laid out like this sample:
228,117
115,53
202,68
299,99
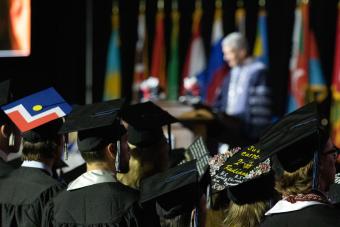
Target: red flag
299,59
158,53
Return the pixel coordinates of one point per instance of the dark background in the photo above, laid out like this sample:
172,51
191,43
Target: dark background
59,41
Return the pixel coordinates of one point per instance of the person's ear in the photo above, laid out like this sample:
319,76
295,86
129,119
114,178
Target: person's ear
5,131
111,151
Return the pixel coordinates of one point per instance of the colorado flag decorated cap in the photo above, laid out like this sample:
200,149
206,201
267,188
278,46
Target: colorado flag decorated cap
37,109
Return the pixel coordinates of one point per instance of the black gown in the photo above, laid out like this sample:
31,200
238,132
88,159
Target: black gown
315,216
5,168
23,196
108,204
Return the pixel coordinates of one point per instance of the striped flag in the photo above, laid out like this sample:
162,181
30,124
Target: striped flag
216,55
195,60
298,81
141,59
112,86
173,67
261,42
317,84
335,108
158,52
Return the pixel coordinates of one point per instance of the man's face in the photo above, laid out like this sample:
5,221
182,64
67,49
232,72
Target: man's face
327,168
233,56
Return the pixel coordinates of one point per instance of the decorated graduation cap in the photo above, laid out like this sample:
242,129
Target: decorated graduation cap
97,124
38,116
296,139
258,185
145,123
173,191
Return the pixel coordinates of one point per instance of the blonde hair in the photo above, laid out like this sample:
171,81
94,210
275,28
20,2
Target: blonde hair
145,162
298,182
246,215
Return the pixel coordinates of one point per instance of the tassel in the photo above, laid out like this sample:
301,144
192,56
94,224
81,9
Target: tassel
117,161
65,151
11,140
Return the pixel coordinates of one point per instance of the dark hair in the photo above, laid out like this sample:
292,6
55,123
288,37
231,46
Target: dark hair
93,156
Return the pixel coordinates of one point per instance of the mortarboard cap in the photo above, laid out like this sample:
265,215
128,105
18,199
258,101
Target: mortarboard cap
38,116
302,125
173,190
97,124
258,185
198,151
145,123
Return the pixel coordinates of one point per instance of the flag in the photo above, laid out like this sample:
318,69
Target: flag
240,19
261,42
158,52
141,62
112,84
298,81
173,67
317,84
195,60
335,108
216,55
37,109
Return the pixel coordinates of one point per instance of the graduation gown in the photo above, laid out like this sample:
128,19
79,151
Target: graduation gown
5,168
23,196
94,201
319,215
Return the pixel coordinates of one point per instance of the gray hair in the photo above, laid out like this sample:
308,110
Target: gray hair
235,41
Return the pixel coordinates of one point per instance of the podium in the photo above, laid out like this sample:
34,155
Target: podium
189,118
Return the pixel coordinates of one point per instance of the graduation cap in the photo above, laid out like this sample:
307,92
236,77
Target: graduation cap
301,128
174,190
198,151
97,124
38,116
145,123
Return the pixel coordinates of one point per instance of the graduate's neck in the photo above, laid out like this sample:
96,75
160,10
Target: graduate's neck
98,166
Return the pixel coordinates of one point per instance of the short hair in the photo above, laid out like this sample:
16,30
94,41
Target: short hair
94,155
235,41
297,182
36,151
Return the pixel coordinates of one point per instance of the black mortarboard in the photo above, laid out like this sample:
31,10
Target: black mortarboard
174,190
97,124
145,123
43,132
285,138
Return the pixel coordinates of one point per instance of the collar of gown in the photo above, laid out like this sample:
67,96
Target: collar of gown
3,155
92,177
283,206
38,165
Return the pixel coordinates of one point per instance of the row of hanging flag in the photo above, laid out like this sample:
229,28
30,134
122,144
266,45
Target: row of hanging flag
306,79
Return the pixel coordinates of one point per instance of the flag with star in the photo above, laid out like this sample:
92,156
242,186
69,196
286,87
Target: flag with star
37,109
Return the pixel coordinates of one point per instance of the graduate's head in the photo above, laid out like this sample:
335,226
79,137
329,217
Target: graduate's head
43,142
39,117
102,139
234,47
103,146
10,138
145,131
